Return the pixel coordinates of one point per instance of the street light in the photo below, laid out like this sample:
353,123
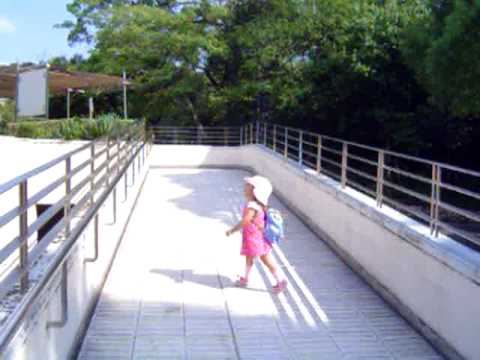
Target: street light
70,90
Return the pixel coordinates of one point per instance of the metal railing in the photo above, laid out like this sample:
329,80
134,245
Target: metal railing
88,176
214,136
444,197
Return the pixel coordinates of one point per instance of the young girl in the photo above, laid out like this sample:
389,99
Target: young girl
257,191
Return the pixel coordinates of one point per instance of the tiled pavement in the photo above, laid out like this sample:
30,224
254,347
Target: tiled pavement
170,293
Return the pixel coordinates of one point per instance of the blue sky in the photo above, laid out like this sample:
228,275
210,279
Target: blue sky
27,31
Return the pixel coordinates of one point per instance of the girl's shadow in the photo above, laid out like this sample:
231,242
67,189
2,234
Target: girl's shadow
210,280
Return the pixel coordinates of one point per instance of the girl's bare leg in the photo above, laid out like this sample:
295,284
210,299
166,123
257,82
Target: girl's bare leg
248,266
269,263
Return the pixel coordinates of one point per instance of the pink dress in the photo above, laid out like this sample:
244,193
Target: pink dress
253,242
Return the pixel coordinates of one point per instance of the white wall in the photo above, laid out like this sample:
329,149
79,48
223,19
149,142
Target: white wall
435,283
194,156
32,92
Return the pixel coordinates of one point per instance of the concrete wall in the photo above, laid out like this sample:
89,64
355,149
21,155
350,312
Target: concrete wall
194,156
36,339
433,282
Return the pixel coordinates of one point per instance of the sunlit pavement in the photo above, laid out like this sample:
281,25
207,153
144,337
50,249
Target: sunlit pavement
170,292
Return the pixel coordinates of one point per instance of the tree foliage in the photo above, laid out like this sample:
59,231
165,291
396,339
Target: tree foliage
395,73
443,48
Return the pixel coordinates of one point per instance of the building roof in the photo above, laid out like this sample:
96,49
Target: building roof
60,80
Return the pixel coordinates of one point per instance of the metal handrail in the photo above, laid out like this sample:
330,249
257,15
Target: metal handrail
221,136
17,180
376,172
301,146
111,170
61,256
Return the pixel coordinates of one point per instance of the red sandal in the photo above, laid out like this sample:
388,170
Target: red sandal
280,286
241,282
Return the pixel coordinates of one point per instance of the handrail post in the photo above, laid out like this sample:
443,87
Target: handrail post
251,133
344,164
285,152
114,204
139,162
143,151
92,173
117,170
23,222
438,198
125,176
319,153
265,134
380,175
118,156
435,199
68,190
125,182
300,147
274,137
225,136
144,143
133,166
241,135
257,129
108,162
432,199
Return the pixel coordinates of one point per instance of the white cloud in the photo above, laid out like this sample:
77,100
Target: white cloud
6,26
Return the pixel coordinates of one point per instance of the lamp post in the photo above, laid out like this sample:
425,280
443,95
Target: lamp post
124,84
90,108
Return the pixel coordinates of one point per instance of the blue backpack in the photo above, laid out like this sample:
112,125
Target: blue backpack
273,230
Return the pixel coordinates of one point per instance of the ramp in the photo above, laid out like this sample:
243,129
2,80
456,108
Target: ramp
170,292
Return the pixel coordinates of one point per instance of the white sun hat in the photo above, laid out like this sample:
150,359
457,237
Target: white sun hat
262,188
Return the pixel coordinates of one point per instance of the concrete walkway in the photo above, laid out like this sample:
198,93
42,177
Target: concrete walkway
170,292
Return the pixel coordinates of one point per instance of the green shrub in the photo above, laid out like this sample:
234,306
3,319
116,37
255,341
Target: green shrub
7,114
108,125
70,129
31,130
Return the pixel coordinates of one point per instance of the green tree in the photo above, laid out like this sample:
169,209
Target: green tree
443,48
91,15
392,73
164,52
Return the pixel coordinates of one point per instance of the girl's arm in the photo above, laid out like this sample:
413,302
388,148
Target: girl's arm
247,218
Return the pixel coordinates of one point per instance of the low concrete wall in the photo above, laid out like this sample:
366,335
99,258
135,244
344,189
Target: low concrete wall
36,339
194,156
434,283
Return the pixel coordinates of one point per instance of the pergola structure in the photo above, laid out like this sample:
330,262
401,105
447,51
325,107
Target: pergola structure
62,82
